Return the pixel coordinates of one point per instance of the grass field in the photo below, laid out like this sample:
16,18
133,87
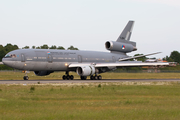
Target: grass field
10,75
93,101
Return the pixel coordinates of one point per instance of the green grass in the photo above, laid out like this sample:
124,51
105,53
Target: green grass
16,75
110,101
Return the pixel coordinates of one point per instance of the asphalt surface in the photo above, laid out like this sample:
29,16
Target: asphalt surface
81,81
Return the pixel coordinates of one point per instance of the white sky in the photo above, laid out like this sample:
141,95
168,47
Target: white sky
88,24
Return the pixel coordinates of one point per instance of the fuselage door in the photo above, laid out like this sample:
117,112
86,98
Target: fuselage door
22,57
79,58
49,58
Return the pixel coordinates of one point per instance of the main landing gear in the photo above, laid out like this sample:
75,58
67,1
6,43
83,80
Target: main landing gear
67,76
96,77
83,77
25,76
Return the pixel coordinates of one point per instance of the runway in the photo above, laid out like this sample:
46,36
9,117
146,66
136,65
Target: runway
83,81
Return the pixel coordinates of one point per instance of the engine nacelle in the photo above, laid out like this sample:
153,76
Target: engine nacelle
119,46
85,70
42,73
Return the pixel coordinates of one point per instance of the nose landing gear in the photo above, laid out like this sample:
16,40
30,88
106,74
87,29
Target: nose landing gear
25,76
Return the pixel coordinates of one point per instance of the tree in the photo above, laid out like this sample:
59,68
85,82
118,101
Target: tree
53,47
44,46
60,47
175,56
72,48
9,47
168,59
26,47
38,47
2,53
33,47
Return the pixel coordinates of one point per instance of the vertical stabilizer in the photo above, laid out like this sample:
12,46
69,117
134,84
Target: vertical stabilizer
126,33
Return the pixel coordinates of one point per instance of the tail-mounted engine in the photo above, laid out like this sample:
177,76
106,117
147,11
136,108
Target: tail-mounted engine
86,70
120,46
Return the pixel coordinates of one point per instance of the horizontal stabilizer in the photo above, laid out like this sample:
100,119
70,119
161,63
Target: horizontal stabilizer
129,58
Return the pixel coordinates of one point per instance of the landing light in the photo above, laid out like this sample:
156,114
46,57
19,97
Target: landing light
66,64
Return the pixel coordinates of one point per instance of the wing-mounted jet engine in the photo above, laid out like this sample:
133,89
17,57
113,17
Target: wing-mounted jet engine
86,70
122,44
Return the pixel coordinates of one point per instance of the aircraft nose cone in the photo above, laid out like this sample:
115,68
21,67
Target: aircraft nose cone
7,62
3,61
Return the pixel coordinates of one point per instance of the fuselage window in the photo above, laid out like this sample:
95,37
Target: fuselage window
10,56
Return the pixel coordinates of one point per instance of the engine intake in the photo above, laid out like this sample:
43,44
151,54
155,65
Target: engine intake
42,73
86,70
119,46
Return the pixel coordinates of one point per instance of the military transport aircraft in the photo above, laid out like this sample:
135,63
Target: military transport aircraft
85,63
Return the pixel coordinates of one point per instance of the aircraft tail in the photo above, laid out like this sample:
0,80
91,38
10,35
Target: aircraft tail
126,34
123,43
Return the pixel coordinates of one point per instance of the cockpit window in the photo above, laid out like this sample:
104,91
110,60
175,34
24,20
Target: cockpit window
10,56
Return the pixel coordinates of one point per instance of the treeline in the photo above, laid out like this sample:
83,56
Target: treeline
52,47
174,57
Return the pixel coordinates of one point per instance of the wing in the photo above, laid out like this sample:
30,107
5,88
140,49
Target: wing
1,63
129,58
120,64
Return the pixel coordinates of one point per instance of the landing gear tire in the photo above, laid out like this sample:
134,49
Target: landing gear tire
25,77
96,77
71,77
92,77
67,76
83,77
99,77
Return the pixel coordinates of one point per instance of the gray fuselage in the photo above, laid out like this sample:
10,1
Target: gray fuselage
56,60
